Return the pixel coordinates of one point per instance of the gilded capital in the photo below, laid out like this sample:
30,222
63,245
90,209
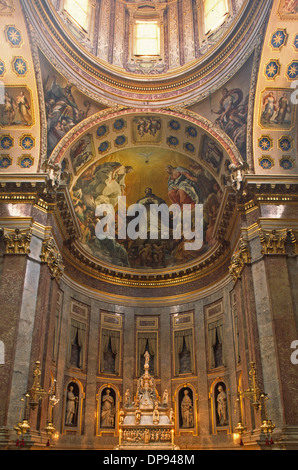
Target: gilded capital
273,241
17,241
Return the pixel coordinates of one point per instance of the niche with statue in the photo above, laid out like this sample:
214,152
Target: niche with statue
186,408
108,408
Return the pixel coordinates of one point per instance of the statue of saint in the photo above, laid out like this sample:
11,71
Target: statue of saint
107,410
187,411
222,406
165,398
156,414
71,407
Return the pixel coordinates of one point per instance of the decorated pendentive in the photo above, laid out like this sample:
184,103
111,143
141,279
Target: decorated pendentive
278,39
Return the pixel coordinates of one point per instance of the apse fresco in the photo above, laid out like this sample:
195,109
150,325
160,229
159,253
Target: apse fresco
144,175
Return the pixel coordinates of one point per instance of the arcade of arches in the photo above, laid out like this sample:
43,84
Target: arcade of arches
121,342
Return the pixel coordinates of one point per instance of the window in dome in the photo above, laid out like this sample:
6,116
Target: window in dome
147,38
79,11
214,12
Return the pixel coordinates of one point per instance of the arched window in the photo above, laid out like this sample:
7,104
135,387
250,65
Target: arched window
79,11
214,13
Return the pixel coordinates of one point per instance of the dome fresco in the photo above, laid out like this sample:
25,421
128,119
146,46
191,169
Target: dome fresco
145,176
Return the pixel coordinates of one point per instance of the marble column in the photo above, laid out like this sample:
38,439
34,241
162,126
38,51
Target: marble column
285,331
11,291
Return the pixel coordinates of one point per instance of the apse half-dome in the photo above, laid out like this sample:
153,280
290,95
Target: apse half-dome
158,162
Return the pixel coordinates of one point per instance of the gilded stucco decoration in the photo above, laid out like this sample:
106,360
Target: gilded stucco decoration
240,258
17,241
273,241
52,257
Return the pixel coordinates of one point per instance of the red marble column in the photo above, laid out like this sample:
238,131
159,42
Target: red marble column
285,331
42,340
11,291
248,339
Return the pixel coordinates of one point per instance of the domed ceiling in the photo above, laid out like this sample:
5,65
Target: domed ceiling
104,62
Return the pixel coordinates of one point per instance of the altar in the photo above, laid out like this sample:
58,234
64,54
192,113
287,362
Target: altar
146,422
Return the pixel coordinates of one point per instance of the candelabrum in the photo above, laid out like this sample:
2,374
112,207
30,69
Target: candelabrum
30,401
267,425
258,400
53,401
240,428
23,427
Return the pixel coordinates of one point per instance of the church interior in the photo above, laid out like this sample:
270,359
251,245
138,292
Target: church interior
143,342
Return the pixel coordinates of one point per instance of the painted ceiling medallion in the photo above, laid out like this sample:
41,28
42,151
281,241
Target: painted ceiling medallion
292,70
13,36
278,39
27,142
272,69
287,163
6,142
295,43
26,161
5,161
265,143
20,66
266,162
285,143
2,68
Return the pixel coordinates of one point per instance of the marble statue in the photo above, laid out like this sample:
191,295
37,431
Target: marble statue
71,407
222,406
187,410
107,410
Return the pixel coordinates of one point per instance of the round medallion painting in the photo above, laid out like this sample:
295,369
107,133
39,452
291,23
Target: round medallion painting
128,186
